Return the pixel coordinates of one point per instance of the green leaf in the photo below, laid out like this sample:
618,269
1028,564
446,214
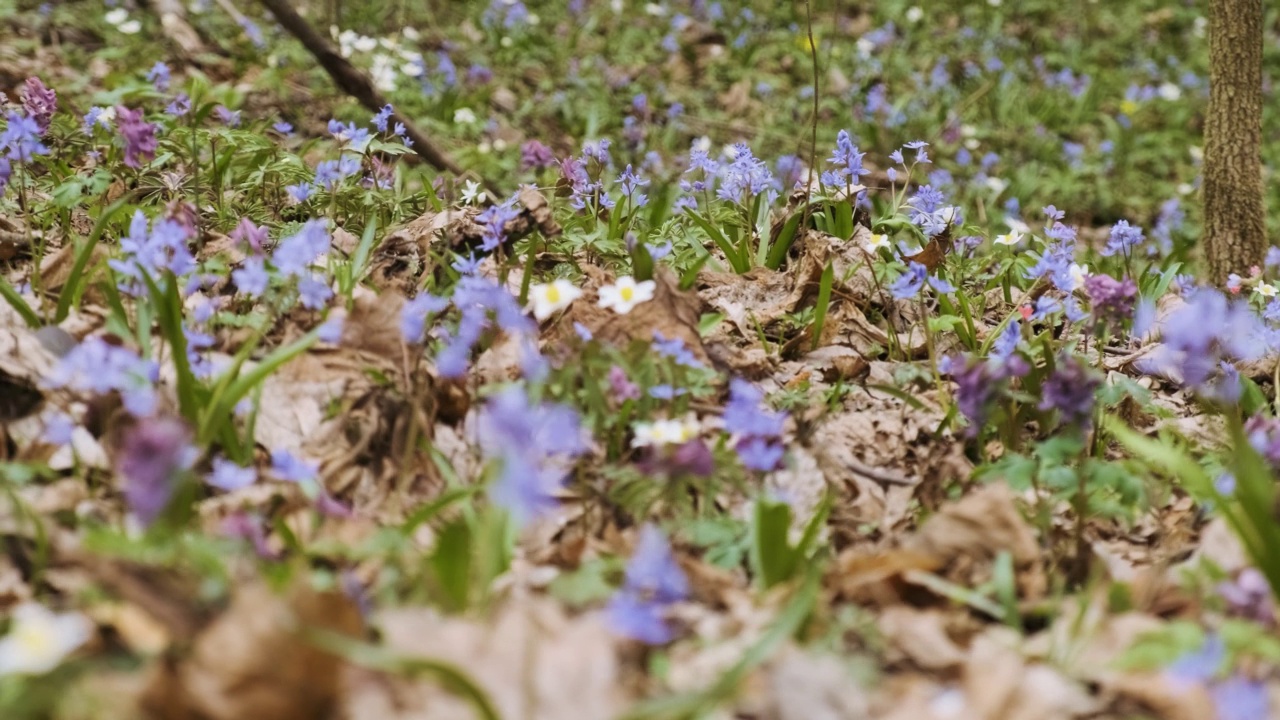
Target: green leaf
739,264
824,301
19,305
451,563
72,288
773,560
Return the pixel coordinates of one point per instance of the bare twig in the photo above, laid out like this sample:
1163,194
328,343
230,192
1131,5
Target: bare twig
357,84
882,476
173,19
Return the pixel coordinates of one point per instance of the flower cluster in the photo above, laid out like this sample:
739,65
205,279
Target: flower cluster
757,431
1069,389
1201,340
155,453
533,444
97,367
654,582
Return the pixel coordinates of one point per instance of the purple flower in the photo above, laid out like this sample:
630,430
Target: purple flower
139,136
847,158
21,138
154,454
58,429
380,120
654,581
299,193
40,102
413,316
1005,345
745,177
92,119
758,431
229,117
252,277
1070,390
675,349
229,476
1124,237
1248,595
159,76
1238,698
533,444
243,526
1111,299
253,236
180,106
97,367
1044,307
290,468
1203,335
330,330
313,292
621,387
909,283
536,156
283,127
295,254
979,382
1201,665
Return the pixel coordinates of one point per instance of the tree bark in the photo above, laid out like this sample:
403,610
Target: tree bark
1234,224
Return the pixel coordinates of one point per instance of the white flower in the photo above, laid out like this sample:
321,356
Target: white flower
547,298
655,9
1017,226
1170,92
39,639
117,16
914,14
864,47
412,68
665,432
364,44
464,116
471,193
1186,188
997,185
411,33
876,243
625,294
703,143
1265,290
1199,25
972,143
130,27
1078,274
1010,239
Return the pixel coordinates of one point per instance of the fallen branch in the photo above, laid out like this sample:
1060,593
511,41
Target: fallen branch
357,84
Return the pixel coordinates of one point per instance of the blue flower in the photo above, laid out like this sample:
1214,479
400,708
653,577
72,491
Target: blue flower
909,283
21,139
252,277
227,475
313,292
654,581
295,253
300,192
1123,239
1238,698
290,468
380,120
413,316
532,443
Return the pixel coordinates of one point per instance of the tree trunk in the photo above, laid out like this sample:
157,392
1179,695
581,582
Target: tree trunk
1234,226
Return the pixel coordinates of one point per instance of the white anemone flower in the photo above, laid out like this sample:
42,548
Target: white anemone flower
665,432
117,16
1078,274
625,294
547,298
1265,289
40,639
876,243
1009,239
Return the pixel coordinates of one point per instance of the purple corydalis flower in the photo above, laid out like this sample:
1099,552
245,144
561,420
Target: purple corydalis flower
536,156
139,136
1070,390
621,387
1248,595
252,235
180,106
153,456
1111,299
654,581
40,102
978,382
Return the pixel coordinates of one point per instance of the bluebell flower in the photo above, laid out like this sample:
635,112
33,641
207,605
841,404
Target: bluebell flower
158,76
380,120
295,253
675,349
300,192
1238,698
1005,345
283,127
330,330
313,292
746,176
21,139
180,106
1123,239
1044,307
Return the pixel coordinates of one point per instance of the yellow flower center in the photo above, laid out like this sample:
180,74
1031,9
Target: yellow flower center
553,294
626,293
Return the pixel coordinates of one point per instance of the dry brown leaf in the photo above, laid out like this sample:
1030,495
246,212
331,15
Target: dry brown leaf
253,662
534,662
921,635
1000,685
980,525
806,686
